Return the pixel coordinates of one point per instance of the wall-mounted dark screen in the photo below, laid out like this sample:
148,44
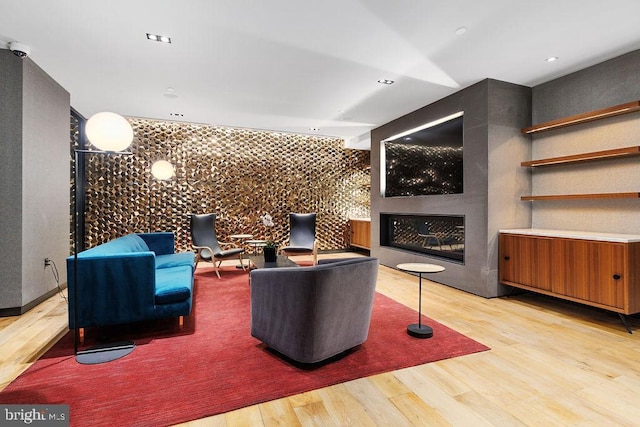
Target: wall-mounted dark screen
425,162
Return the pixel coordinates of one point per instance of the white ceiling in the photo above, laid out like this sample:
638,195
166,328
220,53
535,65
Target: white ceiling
292,65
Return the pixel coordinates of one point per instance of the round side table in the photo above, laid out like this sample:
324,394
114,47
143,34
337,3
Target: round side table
242,238
418,330
256,244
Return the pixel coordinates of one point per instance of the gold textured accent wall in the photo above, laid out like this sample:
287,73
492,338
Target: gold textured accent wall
239,174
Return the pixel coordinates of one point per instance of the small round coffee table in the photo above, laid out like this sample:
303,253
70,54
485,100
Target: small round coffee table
418,330
241,236
256,244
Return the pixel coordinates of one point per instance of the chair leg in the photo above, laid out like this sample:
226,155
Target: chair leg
215,267
242,262
315,252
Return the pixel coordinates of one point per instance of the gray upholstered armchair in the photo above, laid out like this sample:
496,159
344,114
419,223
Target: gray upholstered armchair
310,314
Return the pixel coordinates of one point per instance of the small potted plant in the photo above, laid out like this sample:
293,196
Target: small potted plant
269,251
270,247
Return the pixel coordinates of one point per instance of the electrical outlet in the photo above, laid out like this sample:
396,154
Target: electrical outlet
47,262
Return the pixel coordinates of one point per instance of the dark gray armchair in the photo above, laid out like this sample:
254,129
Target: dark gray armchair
302,236
310,314
205,242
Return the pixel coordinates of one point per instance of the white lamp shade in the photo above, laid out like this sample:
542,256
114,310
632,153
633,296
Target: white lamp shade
109,131
162,170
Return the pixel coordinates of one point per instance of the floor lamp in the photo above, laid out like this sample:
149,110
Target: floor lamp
111,134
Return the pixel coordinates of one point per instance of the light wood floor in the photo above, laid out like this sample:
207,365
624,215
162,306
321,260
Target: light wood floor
551,363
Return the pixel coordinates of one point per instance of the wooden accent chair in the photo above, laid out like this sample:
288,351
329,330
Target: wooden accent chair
205,242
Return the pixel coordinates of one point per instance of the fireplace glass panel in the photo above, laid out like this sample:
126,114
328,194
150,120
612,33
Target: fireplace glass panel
436,235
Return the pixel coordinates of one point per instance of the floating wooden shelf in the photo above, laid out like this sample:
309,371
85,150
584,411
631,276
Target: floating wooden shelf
627,108
582,196
595,155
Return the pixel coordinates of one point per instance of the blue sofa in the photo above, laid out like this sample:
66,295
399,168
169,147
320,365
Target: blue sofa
132,278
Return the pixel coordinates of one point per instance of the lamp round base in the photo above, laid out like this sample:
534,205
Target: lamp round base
105,353
419,331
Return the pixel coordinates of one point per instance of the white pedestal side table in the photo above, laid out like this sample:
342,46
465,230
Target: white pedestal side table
255,244
242,238
418,330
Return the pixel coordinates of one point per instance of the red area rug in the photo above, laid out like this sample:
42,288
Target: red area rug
213,365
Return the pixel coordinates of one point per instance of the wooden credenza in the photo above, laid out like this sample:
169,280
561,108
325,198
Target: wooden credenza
360,233
597,269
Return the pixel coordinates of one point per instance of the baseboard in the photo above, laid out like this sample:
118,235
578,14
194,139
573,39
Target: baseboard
343,250
17,311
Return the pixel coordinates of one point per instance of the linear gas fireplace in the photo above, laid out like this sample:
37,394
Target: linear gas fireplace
437,235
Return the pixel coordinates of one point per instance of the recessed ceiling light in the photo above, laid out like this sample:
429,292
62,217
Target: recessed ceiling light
314,129
176,114
385,81
158,38
461,30
170,93
552,59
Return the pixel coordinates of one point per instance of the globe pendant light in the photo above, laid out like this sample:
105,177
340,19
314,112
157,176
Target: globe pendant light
109,131
162,170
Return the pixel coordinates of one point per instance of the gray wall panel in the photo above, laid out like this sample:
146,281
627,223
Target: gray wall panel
494,113
10,179
45,201
610,83
34,127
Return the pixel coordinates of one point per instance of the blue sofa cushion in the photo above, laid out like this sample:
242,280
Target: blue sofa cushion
160,243
175,260
124,244
172,284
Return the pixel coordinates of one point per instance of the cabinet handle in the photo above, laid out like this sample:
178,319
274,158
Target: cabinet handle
616,276
507,258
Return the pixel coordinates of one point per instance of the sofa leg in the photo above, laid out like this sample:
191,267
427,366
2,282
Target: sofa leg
181,321
81,335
